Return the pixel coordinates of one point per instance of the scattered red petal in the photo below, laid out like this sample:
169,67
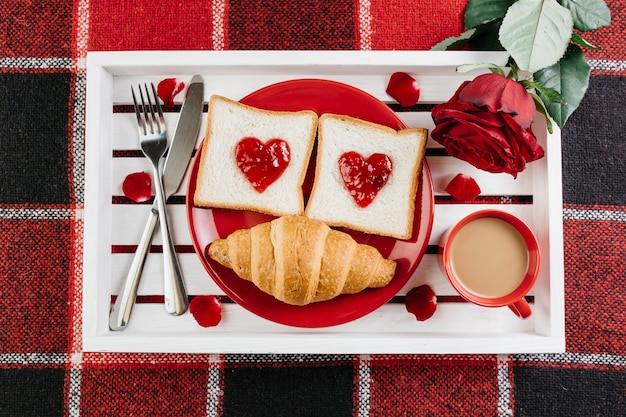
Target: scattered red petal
206,310
422,302
403,88
168,89
137,186
463,187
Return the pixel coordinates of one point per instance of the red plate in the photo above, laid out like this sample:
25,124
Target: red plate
206,225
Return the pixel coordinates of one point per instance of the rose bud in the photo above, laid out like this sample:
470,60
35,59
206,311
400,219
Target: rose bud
487,123
422,302
463,187
206,309
501,94
168,89
403,88
137,186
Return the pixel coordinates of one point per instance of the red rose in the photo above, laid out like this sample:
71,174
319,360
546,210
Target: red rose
487,123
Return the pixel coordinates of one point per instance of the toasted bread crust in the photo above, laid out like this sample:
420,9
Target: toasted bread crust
212,191
410,178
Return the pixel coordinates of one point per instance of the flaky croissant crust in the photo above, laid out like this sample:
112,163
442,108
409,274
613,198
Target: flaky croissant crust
300,260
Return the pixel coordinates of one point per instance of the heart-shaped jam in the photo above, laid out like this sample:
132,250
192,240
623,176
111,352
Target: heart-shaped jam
262,163
364,178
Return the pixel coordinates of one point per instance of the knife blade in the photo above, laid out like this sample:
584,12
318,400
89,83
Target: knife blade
185,137
176,162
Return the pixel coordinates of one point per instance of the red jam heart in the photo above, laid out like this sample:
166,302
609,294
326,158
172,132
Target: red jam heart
262,163
364,178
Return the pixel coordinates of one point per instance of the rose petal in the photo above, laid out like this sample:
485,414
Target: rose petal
477,145
499,93
403,88
517,102
137,186
484,138
168,89
451,110
463,187
484,90
206,309
479,117
530,148
422,302
451,105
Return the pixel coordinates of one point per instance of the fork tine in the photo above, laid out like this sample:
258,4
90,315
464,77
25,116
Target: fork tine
149,111
138,112
159,110
147,118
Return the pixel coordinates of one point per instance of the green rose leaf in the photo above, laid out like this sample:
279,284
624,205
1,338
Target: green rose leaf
549,94
588,14
570,76
480,11
541,108
471,67
481,38
536,33
486,37
579,40
454,41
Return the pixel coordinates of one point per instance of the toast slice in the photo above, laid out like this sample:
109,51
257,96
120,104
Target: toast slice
334,198
243,164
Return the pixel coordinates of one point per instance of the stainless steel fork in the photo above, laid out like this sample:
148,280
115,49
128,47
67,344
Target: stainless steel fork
153,140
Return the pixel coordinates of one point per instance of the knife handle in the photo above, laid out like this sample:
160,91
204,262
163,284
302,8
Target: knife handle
123,306
174,292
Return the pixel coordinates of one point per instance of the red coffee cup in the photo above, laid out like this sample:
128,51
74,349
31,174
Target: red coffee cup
492,259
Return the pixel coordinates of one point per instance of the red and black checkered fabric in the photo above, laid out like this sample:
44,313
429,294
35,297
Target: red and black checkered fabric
43,370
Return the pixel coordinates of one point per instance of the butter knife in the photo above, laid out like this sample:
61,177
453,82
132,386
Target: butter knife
176,162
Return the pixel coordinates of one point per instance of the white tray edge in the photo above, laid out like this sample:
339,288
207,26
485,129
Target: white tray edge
104,65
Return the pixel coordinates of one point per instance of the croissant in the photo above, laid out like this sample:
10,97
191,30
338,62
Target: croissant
299,260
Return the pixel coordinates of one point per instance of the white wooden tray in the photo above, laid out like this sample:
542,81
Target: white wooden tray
456,327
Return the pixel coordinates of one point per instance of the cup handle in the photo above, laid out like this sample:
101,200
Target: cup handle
521,308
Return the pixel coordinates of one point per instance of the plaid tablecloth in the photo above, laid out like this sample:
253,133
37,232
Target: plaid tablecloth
45,372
